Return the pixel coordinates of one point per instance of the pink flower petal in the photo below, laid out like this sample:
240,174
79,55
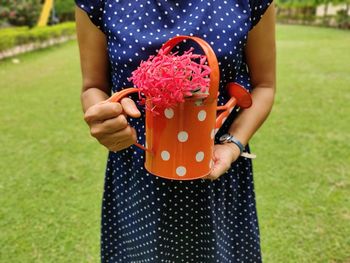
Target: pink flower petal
166,79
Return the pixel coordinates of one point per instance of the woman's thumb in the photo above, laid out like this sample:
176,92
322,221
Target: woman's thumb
129,107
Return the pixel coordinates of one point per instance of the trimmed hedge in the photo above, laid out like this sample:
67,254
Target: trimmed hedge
341,20
12,37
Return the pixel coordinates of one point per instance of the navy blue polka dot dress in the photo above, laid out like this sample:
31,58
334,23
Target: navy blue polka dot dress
149,219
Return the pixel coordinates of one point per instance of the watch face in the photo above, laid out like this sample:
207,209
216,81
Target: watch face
224,137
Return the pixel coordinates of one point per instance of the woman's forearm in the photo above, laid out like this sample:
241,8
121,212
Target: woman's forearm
93,59
249,120
261,60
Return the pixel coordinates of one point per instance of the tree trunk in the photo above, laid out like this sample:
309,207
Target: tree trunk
325,18
325,9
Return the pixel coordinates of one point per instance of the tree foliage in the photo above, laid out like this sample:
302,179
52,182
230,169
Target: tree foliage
20,12
304,12
27,12
64,9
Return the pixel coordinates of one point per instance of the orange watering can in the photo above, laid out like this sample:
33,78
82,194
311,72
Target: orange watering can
180,140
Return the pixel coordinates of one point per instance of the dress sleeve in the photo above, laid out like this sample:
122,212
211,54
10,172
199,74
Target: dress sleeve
257,10
94,9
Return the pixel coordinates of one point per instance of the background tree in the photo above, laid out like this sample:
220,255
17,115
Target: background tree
27,12
20,12
64,10
304,11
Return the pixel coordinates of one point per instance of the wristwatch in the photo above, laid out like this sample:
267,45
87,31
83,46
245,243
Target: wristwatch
228,138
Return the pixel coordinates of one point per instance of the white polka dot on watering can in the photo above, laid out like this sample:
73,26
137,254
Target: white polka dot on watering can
169,113
165,155
202,115
199,156
181,171
182,136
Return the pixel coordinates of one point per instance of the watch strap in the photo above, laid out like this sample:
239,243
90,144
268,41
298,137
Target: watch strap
237,142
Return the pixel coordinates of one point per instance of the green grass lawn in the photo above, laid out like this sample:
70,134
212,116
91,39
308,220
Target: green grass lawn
52,171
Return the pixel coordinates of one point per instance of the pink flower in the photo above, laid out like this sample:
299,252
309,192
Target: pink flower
167,79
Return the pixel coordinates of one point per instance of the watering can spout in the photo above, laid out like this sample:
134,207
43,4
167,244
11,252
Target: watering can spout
244,100
239,97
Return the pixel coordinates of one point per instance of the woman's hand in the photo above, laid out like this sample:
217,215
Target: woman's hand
108,123
224,155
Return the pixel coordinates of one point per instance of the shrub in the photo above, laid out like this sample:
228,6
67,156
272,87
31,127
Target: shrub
11,37
64,10
342,19
20,12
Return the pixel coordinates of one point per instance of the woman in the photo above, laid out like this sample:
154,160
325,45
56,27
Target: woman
146,218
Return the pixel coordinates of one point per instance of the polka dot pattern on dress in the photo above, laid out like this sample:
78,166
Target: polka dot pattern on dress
149,219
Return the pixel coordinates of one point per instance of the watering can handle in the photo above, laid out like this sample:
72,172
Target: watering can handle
116,97
211,58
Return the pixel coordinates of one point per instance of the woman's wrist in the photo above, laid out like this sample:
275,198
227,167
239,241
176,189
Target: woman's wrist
233,150
92,96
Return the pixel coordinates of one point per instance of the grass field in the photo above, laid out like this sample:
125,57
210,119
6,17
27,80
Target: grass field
52,171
